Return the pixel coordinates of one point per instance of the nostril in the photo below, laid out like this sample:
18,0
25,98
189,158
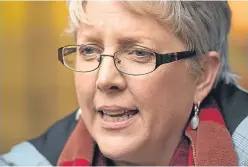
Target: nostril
114,87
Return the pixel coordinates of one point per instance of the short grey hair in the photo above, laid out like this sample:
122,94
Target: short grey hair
202,25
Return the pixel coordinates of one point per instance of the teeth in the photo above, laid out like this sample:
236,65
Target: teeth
125,117
116,119
108,118
117,116
114,113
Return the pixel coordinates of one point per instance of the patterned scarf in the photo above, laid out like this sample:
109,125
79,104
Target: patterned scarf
209,145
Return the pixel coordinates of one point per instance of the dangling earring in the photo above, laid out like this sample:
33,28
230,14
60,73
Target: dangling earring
195,119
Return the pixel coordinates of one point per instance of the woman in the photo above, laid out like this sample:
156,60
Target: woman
154,88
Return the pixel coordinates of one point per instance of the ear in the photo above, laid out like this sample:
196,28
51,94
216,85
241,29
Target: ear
206,80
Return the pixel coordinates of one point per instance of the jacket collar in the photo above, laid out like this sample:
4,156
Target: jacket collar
233,103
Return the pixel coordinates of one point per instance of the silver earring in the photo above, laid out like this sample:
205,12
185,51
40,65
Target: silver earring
195,119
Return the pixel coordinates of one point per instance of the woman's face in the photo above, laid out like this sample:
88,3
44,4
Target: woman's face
156,105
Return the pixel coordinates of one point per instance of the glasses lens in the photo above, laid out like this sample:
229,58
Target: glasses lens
81,58
135,60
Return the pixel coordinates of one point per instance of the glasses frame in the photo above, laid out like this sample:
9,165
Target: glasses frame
160,58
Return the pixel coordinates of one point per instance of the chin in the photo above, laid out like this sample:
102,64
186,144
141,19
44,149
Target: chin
118,148
120,144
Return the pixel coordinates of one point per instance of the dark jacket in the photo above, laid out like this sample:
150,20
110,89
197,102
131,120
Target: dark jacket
45,149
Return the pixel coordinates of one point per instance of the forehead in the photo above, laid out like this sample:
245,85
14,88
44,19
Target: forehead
111,15
113,21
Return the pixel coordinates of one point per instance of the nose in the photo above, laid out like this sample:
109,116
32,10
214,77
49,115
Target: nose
109,79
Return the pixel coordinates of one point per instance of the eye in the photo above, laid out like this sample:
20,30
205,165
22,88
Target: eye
89,50
140,53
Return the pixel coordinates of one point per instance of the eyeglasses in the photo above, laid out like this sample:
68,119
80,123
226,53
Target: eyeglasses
133,60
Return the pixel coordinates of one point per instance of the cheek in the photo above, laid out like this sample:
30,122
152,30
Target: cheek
168,84
85,89
166,97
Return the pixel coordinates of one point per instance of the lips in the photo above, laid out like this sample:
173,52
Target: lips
118,114
115,110
114,117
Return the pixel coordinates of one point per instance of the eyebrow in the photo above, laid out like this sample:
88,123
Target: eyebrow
88,34
89,38
127,40
135,36
134,39
120,40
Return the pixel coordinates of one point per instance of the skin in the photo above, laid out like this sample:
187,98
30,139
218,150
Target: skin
164,97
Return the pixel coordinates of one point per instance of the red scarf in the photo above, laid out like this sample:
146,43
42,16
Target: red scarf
209,145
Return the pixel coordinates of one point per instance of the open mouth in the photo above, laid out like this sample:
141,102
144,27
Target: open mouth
118,116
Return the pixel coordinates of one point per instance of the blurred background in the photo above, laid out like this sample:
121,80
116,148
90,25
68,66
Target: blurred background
36,90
